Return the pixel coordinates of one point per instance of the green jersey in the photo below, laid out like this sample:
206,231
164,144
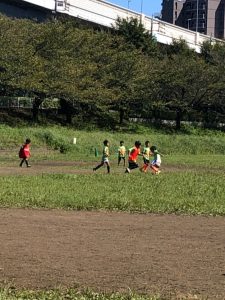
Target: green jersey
105,152
146,153
122,151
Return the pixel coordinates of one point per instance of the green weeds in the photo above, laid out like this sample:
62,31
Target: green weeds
61,138
74,294
184,192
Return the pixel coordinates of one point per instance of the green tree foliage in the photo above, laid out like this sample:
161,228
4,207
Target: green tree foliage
94,72
214,56
185,86
179,47
136,35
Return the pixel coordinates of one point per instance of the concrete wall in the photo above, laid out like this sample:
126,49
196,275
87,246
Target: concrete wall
9,9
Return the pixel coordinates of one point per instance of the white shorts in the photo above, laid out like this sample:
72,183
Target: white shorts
105,160
155,162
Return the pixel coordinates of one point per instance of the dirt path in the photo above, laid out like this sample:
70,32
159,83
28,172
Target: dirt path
82,167
113,251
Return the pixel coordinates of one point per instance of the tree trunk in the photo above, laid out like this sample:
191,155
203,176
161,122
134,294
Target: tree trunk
38,99
36,104
156,116
68,118
178,119
121,116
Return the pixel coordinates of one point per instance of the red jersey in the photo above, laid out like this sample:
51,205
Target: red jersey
134,152
25,151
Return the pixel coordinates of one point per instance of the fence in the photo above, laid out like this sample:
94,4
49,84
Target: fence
27,103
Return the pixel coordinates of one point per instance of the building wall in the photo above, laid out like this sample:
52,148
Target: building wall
215,18
195,15
179,11
172,11
210,17
15,10
168,11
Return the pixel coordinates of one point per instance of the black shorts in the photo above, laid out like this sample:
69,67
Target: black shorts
146,161
121,157
133,165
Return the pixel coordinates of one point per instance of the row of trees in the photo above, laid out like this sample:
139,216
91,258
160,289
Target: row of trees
96,73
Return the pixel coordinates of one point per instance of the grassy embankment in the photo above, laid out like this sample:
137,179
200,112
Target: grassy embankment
193,180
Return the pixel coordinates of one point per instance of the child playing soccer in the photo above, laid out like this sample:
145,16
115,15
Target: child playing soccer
121,153
146,157
133,154
156,163
24,153
105,157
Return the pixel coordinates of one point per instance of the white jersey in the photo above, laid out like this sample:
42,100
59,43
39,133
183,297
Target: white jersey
157,159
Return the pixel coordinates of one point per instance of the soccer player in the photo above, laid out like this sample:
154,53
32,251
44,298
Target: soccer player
105,157
156,163
146,157
122,153
133,154
24,153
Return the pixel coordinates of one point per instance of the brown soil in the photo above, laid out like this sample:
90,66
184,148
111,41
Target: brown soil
108,251
82,167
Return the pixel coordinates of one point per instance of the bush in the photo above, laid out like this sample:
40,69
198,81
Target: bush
54,142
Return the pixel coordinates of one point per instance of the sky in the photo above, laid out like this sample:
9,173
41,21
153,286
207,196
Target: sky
150,7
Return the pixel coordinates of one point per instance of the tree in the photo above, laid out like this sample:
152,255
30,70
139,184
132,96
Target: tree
24,70
179,47
185,86
135,34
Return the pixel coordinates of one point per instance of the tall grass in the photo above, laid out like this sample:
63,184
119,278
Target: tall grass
188,192
60,138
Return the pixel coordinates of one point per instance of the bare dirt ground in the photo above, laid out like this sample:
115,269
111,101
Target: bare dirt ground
79,167
108,251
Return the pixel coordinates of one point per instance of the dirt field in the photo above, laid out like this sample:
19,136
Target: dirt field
77,167
113,251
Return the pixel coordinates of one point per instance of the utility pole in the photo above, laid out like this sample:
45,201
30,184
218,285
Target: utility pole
142,6
128,4
189,23
197,15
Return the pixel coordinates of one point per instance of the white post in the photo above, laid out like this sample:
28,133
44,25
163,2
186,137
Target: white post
142,19
74,141
197,35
